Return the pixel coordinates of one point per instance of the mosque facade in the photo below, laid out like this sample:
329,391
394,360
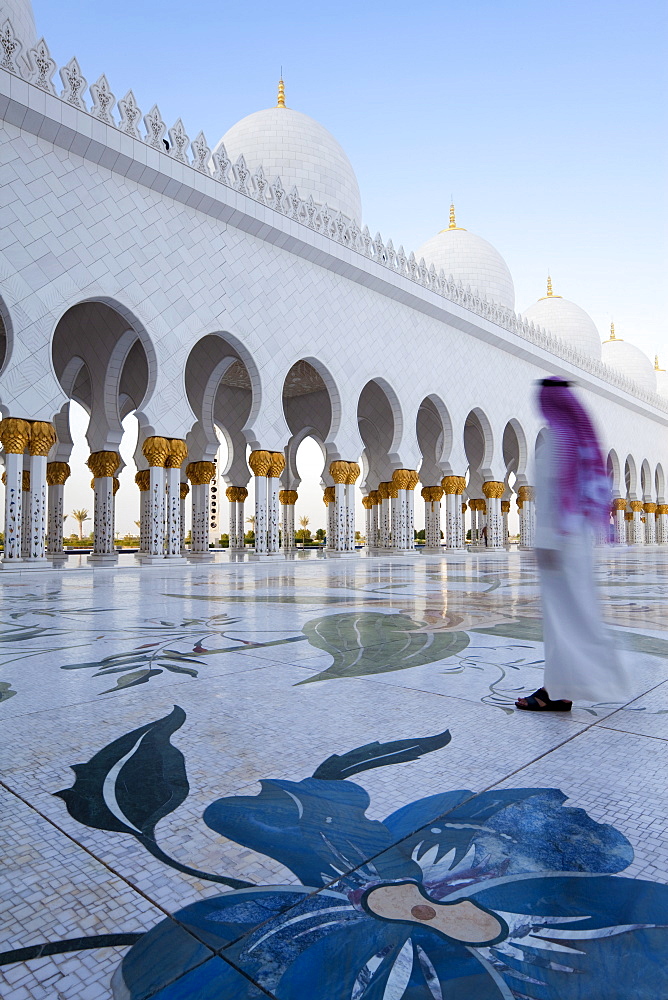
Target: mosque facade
234,288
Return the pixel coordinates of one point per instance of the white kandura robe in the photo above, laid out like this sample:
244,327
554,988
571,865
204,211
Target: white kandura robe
581,661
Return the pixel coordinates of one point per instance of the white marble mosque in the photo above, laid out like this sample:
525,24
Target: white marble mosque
224,288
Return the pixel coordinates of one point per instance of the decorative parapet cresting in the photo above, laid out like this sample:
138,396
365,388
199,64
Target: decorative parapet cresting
36,65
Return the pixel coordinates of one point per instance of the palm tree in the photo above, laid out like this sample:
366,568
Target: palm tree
80,516
251,520
303,523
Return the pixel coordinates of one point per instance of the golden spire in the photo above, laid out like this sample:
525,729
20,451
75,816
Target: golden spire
281,94
453,221
550,293
612,331
656,364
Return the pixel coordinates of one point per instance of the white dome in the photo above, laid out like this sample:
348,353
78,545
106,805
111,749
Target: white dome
630,361
567,321
21,15
471,260
299,150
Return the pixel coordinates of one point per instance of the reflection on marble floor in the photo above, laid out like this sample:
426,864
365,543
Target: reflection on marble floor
251,777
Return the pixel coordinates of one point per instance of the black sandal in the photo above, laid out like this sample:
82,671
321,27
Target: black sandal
533,704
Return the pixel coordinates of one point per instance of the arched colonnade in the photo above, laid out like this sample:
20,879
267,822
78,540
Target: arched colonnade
468,466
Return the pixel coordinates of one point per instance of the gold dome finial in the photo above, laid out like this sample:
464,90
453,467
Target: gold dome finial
549,287
612,331
453,222
281,94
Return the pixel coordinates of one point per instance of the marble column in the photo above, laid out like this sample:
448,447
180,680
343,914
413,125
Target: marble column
273,516
178,452
650,523
463,525
384,516
103,465
339,472
628,518
454,486
184,490
288,499
156,451
42,439
368,505
662,524
505,511
619,523
493,492
528,516
57,473
400,481
260,464
328,500
236,496
637,527
143,481
432,496
374,496
200,475
352,477
476,524
15,435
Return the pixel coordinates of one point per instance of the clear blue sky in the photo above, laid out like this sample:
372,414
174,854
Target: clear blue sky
547,122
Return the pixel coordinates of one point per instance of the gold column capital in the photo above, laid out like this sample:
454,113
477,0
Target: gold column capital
288,497
505,506
260,462
628,516
277,464
339,471
236,494
184,490
383,492
156,451
432,493
15,435
57,473
328,495
353,473
662,508
520,503
42,437
619,503
374,495
367,502
116,485
463,508
200,473
650,508
493,490
178,453
143,480
25,481
636,505
103,463
526,493
454,484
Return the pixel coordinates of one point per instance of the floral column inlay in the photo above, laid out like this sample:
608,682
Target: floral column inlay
432,496
353,475
288,499
156,451
260,464
25,516
662,524
42,439
368,505
273,483
184,490
236,496
650,523
178,452
494,491
505,511
14,434
103,465
526,494
57,473
637,532
454,486
618,520
143,481
200,475
328,500
384,515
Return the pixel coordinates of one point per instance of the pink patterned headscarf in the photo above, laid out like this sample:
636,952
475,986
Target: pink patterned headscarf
583,481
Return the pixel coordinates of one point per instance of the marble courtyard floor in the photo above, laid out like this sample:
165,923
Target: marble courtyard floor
306,780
